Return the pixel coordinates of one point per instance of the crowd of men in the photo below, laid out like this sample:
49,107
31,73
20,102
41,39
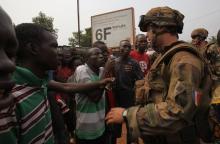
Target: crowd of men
170,96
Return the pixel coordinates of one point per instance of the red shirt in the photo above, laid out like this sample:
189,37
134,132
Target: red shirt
64,72
142,59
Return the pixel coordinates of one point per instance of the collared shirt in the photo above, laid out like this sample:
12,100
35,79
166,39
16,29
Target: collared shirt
90,115
29,119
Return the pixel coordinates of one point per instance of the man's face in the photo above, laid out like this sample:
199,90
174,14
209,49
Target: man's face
8,47
105,52
196,40
125,48
76,63
48,51
67,56
155,41
96,57
115,51
59,56
141,43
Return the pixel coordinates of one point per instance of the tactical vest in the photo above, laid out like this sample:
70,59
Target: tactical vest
156,81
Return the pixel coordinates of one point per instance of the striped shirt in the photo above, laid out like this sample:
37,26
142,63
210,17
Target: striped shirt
28,121
90,115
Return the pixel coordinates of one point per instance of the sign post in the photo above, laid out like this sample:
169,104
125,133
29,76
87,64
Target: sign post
112,27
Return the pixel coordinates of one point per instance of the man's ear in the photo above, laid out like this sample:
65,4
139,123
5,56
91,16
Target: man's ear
32,48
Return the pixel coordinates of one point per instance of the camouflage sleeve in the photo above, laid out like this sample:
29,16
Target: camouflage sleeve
211,53
177,110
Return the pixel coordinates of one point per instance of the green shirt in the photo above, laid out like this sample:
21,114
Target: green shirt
90,122
30,116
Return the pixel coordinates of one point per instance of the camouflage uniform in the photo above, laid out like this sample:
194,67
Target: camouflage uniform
171,90
212,55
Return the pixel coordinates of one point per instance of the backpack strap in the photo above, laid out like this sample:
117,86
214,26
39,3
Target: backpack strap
182,46
207,80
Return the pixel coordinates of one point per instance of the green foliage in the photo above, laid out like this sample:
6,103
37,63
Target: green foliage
74,40
85,39
45,21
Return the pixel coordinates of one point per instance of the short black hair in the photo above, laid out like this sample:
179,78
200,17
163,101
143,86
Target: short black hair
125,40
139,35
28,33
102,46
97,43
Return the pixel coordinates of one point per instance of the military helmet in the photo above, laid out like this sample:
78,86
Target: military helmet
162,16
201,32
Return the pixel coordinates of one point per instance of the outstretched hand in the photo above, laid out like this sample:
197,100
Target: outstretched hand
115,116
106,81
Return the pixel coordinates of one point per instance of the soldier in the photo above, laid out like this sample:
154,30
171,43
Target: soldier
199,36
169,97
212,55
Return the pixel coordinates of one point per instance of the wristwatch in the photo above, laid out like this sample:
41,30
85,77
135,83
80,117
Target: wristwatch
124,114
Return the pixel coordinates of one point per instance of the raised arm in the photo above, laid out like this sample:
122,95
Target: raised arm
72,87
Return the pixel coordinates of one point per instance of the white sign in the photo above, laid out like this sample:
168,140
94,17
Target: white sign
113,27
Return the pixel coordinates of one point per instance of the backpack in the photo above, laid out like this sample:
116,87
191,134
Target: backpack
201,115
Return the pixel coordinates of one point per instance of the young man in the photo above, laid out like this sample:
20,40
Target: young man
31,111
110,97
169,107
64,71
139,54
90,107
8,47
108,71
127,71
102,46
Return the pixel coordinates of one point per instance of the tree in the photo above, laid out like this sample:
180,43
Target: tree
85,39
45,21
74,40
